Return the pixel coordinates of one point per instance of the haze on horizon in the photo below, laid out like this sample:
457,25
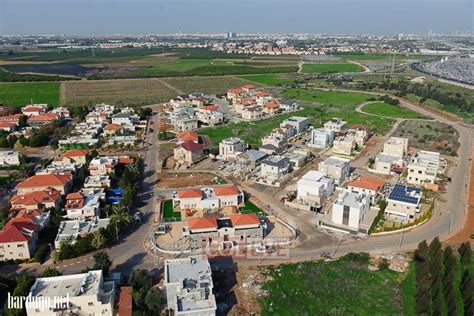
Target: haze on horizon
95,17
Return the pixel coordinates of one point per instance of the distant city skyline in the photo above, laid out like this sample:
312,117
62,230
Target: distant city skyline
105,17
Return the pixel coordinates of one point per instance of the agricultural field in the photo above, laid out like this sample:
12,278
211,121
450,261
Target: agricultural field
50,69
329,68
208,84
271,80
341,287
320,106
135,91
389,110
20,94
432,136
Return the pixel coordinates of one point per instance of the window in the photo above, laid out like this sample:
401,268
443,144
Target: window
91,304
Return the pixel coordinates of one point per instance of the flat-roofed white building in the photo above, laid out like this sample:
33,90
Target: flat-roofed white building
336,124
314,188
69,231
189,286
396,146
299,123
423,167
350,208
321,138
88,294
403,203
231,148
336,168
344,145
384,163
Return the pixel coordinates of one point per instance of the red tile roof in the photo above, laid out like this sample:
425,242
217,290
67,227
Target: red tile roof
7,124
45,180
202,223
74,196
244,219
367,183
11,118
227,190
208,108
35,198
186,194
15,231
249,86
188,136
32,109
262,94
125,160
272,105
235,91
45,117
191,146
76,153
113,127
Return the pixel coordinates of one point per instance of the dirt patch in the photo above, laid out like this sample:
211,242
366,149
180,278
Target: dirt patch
434,136
247,291
183,180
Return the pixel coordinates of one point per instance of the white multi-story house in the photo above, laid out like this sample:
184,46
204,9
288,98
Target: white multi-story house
79,206
350,209
70,231
403,203
314,188
231,148
102,165
209,114
321,138
210,198
189,287
394,149
337,168
344,145
85,294
299,123
274,168
337,125
396,146
423,167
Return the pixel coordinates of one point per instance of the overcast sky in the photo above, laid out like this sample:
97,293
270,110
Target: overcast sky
87,17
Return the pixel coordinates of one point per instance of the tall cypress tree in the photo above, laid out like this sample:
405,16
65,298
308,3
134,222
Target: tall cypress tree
436,274
467,291
422,278
448,280
466,253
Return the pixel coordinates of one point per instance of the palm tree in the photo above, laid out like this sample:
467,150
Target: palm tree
23,171
120,216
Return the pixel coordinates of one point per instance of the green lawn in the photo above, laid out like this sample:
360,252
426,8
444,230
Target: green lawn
327,104
250,208
272,80
388,110
19,94
169,213
327,97
326,68
342,287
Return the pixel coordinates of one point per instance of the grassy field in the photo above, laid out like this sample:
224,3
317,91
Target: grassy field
136,91
169,213
272,80
448,108
388,110
432,136
342,287
327,68
19,94
182,65
208,84
330,104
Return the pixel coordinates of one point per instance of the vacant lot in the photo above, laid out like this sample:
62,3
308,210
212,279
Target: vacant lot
430,136
183,180
327,68
136,91
327,97
212,85
19,94
272,80
388,110
342,287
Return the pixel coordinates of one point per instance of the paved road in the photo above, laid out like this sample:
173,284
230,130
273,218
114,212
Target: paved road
448,218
